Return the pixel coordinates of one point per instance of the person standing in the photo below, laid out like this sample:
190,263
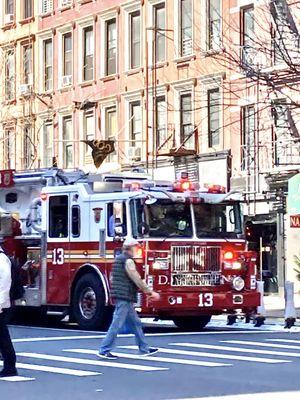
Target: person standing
126,281
6,346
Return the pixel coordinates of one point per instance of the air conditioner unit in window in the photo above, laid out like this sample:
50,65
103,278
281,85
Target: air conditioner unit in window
25,89
65,3
66,80
9,18
134,153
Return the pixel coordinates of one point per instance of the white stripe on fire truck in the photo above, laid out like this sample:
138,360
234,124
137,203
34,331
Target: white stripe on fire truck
213,355
85,361
155,358
56,370
262,344
239,349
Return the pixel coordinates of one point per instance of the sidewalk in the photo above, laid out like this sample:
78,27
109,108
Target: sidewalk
275,306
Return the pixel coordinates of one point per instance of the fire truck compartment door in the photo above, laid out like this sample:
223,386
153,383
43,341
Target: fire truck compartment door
58,248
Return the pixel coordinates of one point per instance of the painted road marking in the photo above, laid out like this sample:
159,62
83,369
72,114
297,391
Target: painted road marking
90,362
240,349
262,344
284,340
56,338
254,396
56,370
212,355
156,358
17,379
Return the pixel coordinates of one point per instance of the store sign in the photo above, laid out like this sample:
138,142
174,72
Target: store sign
295,221
6,178
294,196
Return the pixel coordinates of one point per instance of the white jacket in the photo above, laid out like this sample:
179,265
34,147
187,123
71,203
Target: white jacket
5,281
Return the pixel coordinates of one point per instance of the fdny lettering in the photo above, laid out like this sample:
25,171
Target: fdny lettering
58,256
295,221
163,280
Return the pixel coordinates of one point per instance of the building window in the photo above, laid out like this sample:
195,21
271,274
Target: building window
10,7
47,6
248,138
247,36
159,24
10,74
47,150
27,9
27,64
161,122
135,119
67,54
214,24
29,149
186,27
88,53
135,39
48,69
213,100
186,126
9,148
67,137
111,47
88,127
111,127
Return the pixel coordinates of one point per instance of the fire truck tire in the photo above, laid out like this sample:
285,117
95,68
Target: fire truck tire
192,323
88,304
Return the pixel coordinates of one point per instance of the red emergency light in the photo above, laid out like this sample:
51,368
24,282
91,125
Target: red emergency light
215,189
183,184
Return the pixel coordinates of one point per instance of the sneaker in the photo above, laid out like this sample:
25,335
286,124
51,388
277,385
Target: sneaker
6,374
107,356
149,352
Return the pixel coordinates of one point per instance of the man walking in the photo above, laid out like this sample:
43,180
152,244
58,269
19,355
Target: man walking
126,281
6,346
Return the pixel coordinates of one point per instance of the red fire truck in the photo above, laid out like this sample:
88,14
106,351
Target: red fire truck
65,228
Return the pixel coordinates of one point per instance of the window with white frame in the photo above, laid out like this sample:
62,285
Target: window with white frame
213,104
161,122
27,9
9,147
159,17
67,139
47,65
9,7
248,138
29,148
135,39
27,64
214,24
67,54
88,53
111,46
186,27
88,127
10,75
111,127
247,36
135,118
47,144
65,3
186,120
46,6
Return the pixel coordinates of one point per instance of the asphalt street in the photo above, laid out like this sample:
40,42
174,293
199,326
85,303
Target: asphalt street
61,363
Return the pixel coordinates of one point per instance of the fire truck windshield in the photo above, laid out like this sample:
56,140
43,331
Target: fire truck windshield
217,220
162,219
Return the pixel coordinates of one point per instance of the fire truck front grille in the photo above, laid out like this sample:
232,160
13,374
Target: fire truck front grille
196,259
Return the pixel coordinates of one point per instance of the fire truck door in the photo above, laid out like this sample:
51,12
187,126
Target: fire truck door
58,249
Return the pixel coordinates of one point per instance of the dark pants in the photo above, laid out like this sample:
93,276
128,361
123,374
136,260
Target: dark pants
6,346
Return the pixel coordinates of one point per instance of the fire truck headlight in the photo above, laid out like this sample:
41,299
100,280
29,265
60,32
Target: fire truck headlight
160,264
236,265
238,283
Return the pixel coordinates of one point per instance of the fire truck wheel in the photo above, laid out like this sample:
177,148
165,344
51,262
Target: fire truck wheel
192,323
88,305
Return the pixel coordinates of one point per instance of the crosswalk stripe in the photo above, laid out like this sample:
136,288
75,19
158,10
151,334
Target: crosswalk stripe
253,396
260,344
156,358
90,362
17,379
284,340
56,370
241,350
212,355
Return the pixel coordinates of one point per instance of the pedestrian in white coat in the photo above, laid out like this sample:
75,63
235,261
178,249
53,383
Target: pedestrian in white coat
6,346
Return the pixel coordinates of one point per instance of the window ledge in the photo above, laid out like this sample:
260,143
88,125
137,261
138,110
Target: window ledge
185,59
8,26
27,20
159,65
134,71
84,1
10,102
48,14
64,8
86,83
212,52
110,78
65,88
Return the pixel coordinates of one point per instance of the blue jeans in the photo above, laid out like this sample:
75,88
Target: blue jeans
124,313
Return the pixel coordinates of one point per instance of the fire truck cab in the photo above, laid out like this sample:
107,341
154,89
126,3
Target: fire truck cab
64,229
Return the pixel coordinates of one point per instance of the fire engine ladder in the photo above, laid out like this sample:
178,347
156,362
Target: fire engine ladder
286,31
